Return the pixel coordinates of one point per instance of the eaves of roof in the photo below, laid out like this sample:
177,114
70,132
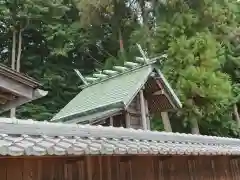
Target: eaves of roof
4,70
82,116
96,116
31,138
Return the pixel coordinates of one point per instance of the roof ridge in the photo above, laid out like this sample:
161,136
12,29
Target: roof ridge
31,127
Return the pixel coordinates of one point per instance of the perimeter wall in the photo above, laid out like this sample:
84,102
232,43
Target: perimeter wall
120,168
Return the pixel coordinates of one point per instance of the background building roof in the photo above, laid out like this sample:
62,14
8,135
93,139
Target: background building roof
115,92
17,89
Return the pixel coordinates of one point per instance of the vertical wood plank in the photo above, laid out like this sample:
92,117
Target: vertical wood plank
59,169
75,171
118,168
15,169
130,170
100,167
29,169
213,169
111,121
150,171
237,166
106,168
191,169
127,118
48,168
81,174
155,168
39,169
52,169
122,171
232,169
126,169
3,169
141,168
65,172
143,110
161,169
69,171
170,163
89,168
147,115
207,168
235,171
222,167
114,168
109,168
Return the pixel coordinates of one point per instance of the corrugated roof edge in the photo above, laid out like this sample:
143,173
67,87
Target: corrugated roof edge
29,127
85,113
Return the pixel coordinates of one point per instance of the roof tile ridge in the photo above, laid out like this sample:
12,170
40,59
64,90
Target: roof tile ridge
128,133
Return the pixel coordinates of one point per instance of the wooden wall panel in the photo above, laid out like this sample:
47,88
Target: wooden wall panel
222,168
235,168
15,169
30,169
115,170
121,168
3,169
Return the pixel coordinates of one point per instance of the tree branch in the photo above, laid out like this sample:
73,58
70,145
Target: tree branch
236,114
13,63
19,51
13,58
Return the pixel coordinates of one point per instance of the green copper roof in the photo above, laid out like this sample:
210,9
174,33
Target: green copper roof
115,92
104,98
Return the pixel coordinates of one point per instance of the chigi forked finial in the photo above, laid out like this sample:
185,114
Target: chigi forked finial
144,59
128,65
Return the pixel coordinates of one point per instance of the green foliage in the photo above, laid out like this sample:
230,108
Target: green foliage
194,34
54,43
201,39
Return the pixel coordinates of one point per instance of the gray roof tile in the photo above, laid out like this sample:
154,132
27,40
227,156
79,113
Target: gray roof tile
86,139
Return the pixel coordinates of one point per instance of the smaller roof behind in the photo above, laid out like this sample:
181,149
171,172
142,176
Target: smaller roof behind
24,79
32,138
111,93
107,94
17,89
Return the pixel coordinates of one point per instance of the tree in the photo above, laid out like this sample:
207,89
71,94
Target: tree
193,34
53,46
115,18
232,67
199,37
